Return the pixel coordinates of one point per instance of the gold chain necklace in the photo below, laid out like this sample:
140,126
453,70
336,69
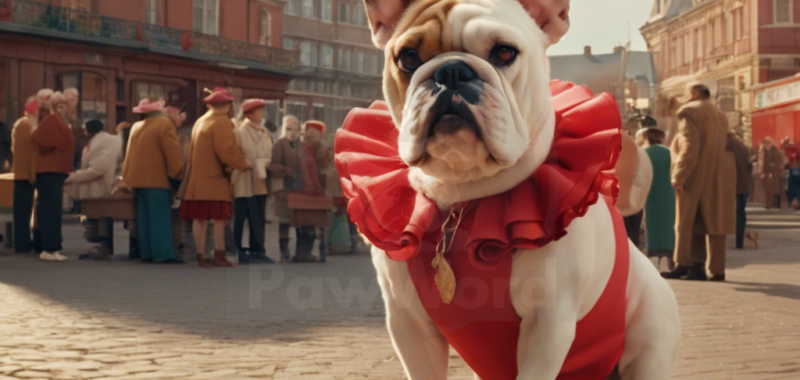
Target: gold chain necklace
445,278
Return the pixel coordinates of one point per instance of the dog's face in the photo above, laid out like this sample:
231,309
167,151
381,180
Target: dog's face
467,86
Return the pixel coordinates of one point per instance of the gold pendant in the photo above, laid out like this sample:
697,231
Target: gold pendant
446,281
445,278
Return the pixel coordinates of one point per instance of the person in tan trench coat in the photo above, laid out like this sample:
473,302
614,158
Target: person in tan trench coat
206,190
704,177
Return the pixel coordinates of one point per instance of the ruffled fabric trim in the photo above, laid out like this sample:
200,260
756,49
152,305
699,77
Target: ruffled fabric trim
398,219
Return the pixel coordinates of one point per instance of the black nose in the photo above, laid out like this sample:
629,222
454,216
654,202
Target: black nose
454,74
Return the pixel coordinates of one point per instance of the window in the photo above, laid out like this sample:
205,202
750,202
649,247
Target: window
717,32
327,10
204,18
700,50
326,56
265,28
92,89
360,17
305,53
359,62
345,60
673,54
372,62
291,8
309,9
344,13
783,11
728,28
150,12
300,110
288,43
308,54
688,44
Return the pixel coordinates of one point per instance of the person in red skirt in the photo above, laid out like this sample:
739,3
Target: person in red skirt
206,189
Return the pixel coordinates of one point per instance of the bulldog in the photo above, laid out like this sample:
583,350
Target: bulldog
467,86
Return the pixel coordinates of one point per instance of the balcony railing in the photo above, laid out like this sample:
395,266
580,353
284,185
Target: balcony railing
159,39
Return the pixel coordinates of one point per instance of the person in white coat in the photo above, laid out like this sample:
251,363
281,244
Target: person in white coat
94,179
250,186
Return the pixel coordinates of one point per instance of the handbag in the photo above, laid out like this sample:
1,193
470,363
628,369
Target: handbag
309,210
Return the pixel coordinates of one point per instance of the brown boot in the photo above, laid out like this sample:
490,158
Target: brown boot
201,261
220,260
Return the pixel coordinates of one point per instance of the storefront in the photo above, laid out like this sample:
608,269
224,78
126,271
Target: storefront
776,110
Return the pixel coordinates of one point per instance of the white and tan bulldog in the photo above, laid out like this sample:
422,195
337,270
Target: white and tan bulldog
494,128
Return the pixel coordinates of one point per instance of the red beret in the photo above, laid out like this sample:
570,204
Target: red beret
314,124
31,105
250,104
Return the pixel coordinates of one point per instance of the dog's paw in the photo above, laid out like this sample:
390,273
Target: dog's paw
442,193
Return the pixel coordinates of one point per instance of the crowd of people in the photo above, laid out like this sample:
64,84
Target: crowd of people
700,187
229,170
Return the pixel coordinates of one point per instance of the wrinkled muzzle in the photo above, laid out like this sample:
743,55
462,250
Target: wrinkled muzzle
458,122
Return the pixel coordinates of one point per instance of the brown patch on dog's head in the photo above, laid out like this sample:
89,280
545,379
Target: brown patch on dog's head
426,31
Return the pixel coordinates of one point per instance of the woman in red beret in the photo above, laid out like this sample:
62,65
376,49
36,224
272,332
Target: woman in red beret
206,190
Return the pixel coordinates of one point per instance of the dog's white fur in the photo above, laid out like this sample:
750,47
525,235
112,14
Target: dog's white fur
555,286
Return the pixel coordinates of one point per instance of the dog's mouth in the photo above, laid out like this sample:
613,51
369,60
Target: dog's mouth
451,114
451,121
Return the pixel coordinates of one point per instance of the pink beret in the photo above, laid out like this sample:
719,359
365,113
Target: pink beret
219,95
148,106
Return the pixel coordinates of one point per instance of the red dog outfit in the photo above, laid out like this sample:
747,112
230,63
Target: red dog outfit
481,323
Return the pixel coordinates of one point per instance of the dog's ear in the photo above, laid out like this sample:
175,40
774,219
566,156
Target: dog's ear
383,16
552,17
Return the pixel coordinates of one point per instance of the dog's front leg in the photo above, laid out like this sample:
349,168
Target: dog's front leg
548,323
422,349
547,339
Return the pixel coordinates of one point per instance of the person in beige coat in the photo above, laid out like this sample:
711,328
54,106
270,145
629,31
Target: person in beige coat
704,177
250,186
99,162
206,190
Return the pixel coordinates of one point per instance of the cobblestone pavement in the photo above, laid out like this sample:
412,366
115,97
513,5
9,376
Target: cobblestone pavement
125,320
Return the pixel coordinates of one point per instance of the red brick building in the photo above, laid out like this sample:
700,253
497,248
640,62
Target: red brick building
729,45
116,51
339,67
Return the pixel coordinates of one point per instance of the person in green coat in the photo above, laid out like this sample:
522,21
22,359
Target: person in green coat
660,206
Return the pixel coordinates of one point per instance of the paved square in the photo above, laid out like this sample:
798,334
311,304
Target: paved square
127,320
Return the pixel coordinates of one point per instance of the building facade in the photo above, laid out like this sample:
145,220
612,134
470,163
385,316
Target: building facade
339,66
118,51
629,75
728,45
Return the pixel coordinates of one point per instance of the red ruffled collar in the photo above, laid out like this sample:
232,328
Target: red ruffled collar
398,219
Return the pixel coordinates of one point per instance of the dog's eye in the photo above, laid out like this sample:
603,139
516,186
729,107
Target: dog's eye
503,55
408,60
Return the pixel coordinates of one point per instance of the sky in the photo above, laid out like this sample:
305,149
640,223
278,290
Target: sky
603,24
